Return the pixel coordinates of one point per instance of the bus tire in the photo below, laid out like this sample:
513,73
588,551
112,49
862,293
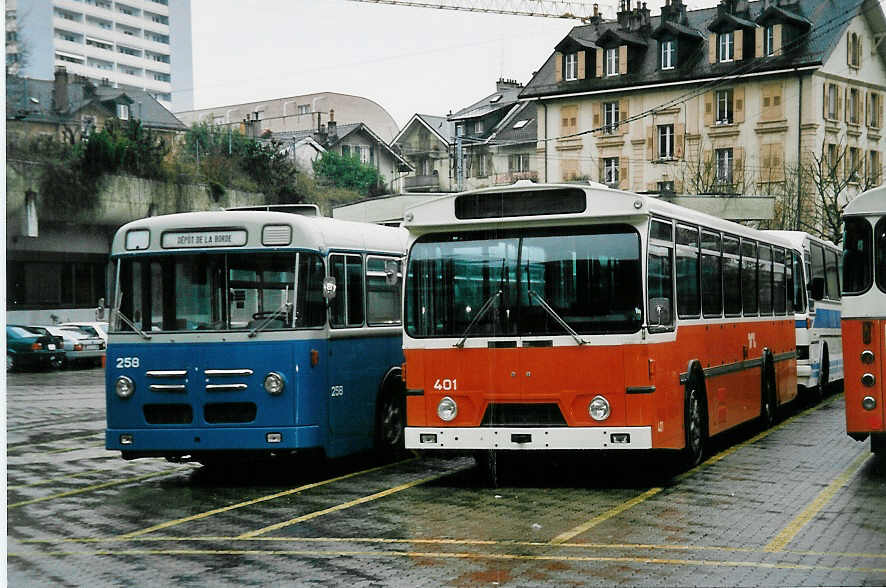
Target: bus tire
768,400
824,372
695,420
390,421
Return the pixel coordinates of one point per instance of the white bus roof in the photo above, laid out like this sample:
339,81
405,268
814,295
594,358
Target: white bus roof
602,203
867,203
308,232
798,238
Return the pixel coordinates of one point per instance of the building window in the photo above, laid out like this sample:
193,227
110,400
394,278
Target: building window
570,72
853,106
832,101
832,160
727,48
123,111
725,164
518,162
854,50
769,40
874,110
610,170
874,168
610,117
667,54
304,109
611,61
853,164
665,141
724,107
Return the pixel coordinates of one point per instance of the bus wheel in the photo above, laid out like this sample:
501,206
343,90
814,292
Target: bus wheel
768,404
695,420
390,421
824,373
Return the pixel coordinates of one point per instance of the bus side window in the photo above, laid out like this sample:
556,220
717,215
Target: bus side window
833,274
779,281
765,277
818,272
383,281
310,308
346,309
660,277
749,277
732,276
711,275
799,284
688,300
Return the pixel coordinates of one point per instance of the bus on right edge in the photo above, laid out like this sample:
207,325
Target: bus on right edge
864,317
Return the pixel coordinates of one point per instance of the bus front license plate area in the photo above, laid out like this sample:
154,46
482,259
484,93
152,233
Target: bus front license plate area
531,438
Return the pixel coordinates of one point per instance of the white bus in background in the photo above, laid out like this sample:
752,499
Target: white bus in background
819,342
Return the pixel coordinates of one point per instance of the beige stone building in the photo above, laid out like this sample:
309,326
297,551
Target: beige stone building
297,113
719,100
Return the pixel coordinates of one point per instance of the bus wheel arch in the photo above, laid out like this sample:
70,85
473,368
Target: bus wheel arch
390,414
768,394
824,372
695,416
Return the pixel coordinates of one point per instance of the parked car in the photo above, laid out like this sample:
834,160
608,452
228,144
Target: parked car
26,348
95,328
80,346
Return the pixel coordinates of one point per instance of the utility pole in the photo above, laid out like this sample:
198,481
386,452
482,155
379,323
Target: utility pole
459,167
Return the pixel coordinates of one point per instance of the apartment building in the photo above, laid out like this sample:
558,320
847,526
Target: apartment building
725,100
140,44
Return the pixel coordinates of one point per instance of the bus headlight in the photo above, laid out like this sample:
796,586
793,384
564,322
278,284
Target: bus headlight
447,409
124,387
868,380
274,383
867,357
599,408
869,403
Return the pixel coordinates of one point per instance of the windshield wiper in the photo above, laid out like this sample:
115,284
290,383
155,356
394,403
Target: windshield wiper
285,307
543,303
127,321
480,314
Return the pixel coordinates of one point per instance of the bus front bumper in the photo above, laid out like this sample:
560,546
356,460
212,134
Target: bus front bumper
170,442
529,438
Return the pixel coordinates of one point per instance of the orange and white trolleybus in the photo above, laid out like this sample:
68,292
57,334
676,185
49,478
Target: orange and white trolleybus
864,317
577,317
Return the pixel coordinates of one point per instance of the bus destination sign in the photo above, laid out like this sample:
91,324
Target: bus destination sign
182,240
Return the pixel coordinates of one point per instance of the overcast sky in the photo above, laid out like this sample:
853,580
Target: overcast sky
407,59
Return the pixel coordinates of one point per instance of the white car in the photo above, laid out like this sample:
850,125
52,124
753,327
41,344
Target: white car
80,345
96,328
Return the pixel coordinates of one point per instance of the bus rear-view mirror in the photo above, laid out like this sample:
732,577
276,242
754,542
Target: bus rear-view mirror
660,310
329,287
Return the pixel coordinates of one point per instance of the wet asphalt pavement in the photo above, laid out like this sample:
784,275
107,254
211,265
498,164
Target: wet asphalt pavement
800,504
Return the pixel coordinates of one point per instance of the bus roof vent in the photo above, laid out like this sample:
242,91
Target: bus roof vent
276,235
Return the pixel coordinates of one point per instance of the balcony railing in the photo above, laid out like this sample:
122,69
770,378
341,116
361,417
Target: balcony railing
421,183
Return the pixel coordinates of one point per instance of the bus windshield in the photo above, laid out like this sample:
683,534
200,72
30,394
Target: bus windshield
589,276
857,253
221,291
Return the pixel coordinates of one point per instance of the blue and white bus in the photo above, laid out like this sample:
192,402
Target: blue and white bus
817,316
254,333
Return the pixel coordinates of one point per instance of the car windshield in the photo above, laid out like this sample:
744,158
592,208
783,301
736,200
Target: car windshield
222,291
588,276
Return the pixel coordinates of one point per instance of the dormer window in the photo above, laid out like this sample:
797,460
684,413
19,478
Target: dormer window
611,61
854,57
123,111
570,71
726,46
769,40
495,99
668,54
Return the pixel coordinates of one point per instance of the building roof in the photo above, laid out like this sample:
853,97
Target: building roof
32,100
442,128
504,97
520,126
342,131
811,51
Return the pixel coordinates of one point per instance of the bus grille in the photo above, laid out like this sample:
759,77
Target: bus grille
168,414
523,415
230,412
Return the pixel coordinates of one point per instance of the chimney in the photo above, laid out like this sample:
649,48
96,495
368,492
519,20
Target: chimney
331,126
60,89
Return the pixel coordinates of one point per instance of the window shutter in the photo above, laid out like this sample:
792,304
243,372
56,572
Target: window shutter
867,108
879,110
738,104
777,101
738,37
766,97
558,67
623,116
707,168
824,100
622,59
581,65
600,171
858,52
849,48
679,132
624,165
599,53
758,41
709,108
712,48
597,108
651,155
776,39
839,108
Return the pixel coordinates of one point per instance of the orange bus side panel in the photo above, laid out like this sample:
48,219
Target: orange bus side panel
859,420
